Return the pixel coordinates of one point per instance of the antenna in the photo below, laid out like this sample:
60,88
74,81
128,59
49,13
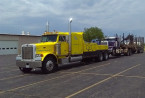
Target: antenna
47,26
23,32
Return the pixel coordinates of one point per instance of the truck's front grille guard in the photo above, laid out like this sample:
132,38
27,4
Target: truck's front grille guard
27,52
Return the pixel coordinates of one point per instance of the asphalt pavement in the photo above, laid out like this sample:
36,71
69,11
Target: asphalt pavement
118,77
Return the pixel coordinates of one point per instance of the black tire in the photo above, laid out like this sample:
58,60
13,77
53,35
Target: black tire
142,51
127,54
130,52
48,65
118,54
25,70
138,51
105,56
100,57
85,61
113,52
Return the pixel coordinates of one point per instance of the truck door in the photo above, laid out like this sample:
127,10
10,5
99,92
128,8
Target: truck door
63,45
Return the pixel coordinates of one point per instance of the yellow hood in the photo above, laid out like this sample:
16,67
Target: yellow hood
45,47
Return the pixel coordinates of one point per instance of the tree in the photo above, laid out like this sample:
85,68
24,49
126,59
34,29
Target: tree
93,33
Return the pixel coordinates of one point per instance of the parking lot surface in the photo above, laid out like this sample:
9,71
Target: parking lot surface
118,77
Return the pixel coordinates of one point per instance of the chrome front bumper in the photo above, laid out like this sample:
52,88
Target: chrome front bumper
28,63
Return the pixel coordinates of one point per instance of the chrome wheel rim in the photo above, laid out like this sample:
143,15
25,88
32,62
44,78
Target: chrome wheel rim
49,65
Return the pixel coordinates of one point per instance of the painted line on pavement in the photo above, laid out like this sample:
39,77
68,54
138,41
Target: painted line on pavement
14,77
97,74
9,71
90,68
100,82
89,73
36,83
8,67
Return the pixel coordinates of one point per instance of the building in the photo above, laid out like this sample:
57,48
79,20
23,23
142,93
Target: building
11,44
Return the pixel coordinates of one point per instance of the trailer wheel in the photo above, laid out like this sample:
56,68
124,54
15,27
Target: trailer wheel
105,56
25,70
100,57
48,66
138,51
127,54
130,52
113,52
142,51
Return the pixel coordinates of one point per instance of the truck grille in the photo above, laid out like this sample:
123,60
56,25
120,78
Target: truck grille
27,52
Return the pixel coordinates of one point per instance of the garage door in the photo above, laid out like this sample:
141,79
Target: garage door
8,47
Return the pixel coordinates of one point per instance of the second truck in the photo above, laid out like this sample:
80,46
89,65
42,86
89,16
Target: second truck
127,46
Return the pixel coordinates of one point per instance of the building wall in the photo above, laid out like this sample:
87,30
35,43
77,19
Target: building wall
8,37
20,39
27,40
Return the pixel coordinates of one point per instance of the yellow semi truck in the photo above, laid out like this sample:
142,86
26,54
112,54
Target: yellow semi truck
57,48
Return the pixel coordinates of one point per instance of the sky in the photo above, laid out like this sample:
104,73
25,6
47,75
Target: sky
112,16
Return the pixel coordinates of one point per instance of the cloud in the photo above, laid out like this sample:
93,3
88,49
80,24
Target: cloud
111,15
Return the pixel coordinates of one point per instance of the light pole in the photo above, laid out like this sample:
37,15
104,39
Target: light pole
70,21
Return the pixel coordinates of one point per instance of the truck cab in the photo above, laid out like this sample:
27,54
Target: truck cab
112,44
53,45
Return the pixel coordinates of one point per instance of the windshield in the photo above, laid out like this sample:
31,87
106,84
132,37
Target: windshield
111,43
110,39
49,38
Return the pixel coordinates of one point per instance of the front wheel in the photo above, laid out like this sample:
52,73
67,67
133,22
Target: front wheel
25,70
48,65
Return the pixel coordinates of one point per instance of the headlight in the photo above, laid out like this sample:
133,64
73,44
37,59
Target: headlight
39,55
